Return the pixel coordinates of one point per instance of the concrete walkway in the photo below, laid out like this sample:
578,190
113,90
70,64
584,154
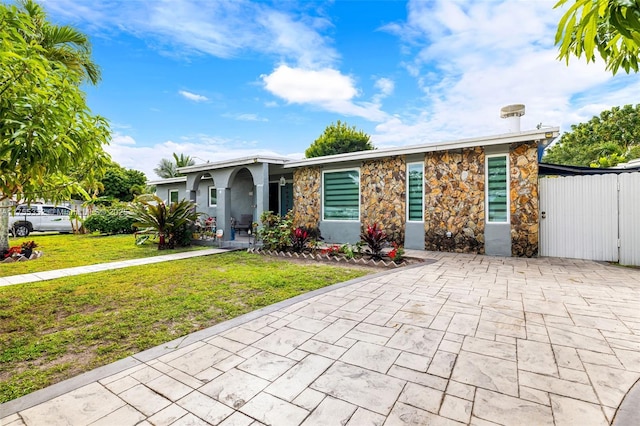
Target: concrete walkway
465,340
78,270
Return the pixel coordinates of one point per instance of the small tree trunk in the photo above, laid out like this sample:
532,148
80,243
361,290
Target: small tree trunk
5,205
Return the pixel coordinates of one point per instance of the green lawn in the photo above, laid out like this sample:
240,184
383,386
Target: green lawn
66,251
53,330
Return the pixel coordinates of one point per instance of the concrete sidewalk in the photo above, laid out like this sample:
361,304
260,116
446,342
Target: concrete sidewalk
466,340
78,270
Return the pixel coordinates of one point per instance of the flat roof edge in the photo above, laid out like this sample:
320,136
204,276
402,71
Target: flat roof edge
167,181
538,134
232,163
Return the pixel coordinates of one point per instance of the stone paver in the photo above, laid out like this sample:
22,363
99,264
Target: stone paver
465,340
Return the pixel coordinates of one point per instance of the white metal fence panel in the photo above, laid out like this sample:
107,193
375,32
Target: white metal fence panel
579,217
630,218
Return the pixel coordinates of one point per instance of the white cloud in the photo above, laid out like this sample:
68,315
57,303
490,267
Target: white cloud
297,85
385,86
325,88
193,96
225,29
120,139
246,117
297,40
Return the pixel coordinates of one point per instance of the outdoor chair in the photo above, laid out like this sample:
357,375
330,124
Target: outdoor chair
245,223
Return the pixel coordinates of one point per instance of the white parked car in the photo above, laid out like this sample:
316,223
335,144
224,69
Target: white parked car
39,217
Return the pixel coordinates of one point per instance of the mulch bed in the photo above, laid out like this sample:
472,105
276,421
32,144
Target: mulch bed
338,259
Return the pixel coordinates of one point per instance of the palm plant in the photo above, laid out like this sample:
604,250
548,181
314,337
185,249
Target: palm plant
166,169
183,160
61,44
152,214
169,169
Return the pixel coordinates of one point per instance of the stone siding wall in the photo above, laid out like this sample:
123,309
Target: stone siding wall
523,162
306,196
383,195
454,200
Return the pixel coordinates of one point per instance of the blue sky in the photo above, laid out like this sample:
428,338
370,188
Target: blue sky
224,79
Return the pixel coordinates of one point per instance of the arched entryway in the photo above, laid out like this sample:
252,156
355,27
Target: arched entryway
203,193
243,198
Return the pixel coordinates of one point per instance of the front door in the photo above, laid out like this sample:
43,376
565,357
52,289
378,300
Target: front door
274,194
286,198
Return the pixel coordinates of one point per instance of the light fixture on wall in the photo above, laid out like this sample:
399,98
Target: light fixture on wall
283,181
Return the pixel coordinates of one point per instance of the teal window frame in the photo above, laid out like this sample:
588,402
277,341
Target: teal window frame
213,196
177,197
341,195
415,192
497,188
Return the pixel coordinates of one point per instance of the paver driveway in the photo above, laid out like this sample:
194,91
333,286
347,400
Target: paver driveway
468,339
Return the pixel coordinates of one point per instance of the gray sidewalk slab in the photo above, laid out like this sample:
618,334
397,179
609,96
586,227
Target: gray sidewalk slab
465,340
78,270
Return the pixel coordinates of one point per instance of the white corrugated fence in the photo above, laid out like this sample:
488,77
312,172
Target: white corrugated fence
591,217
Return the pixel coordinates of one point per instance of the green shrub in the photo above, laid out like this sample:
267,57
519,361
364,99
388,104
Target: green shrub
276,231
110,220
174,223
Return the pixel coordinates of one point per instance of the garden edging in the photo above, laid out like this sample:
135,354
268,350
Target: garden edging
331,258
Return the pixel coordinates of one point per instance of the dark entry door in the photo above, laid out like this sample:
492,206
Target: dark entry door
286,198
274,190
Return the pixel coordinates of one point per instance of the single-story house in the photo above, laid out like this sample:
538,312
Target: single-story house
475,195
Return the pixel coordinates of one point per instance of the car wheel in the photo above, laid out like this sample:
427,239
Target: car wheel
21,231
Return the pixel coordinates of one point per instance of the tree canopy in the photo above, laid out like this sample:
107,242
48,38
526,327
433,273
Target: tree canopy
121,183
610,27
51,146
337,139
168,168
608,139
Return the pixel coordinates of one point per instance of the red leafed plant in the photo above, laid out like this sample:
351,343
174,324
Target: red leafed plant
331,250
375,238
299,239
13,251
396,253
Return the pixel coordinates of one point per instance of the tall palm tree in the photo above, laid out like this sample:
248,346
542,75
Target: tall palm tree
166,169
169,169
62,44
183,160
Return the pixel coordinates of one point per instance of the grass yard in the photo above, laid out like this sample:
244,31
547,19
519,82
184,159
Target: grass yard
53,330
67,250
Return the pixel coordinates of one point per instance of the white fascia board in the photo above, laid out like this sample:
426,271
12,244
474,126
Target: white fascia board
506,138
178,179
232,163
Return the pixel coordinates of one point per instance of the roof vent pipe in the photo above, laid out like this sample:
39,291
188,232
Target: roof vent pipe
512,113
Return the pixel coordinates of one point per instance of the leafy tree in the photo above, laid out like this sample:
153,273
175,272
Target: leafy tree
604,141
337,139
50,144
168,169
612,27
122,184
